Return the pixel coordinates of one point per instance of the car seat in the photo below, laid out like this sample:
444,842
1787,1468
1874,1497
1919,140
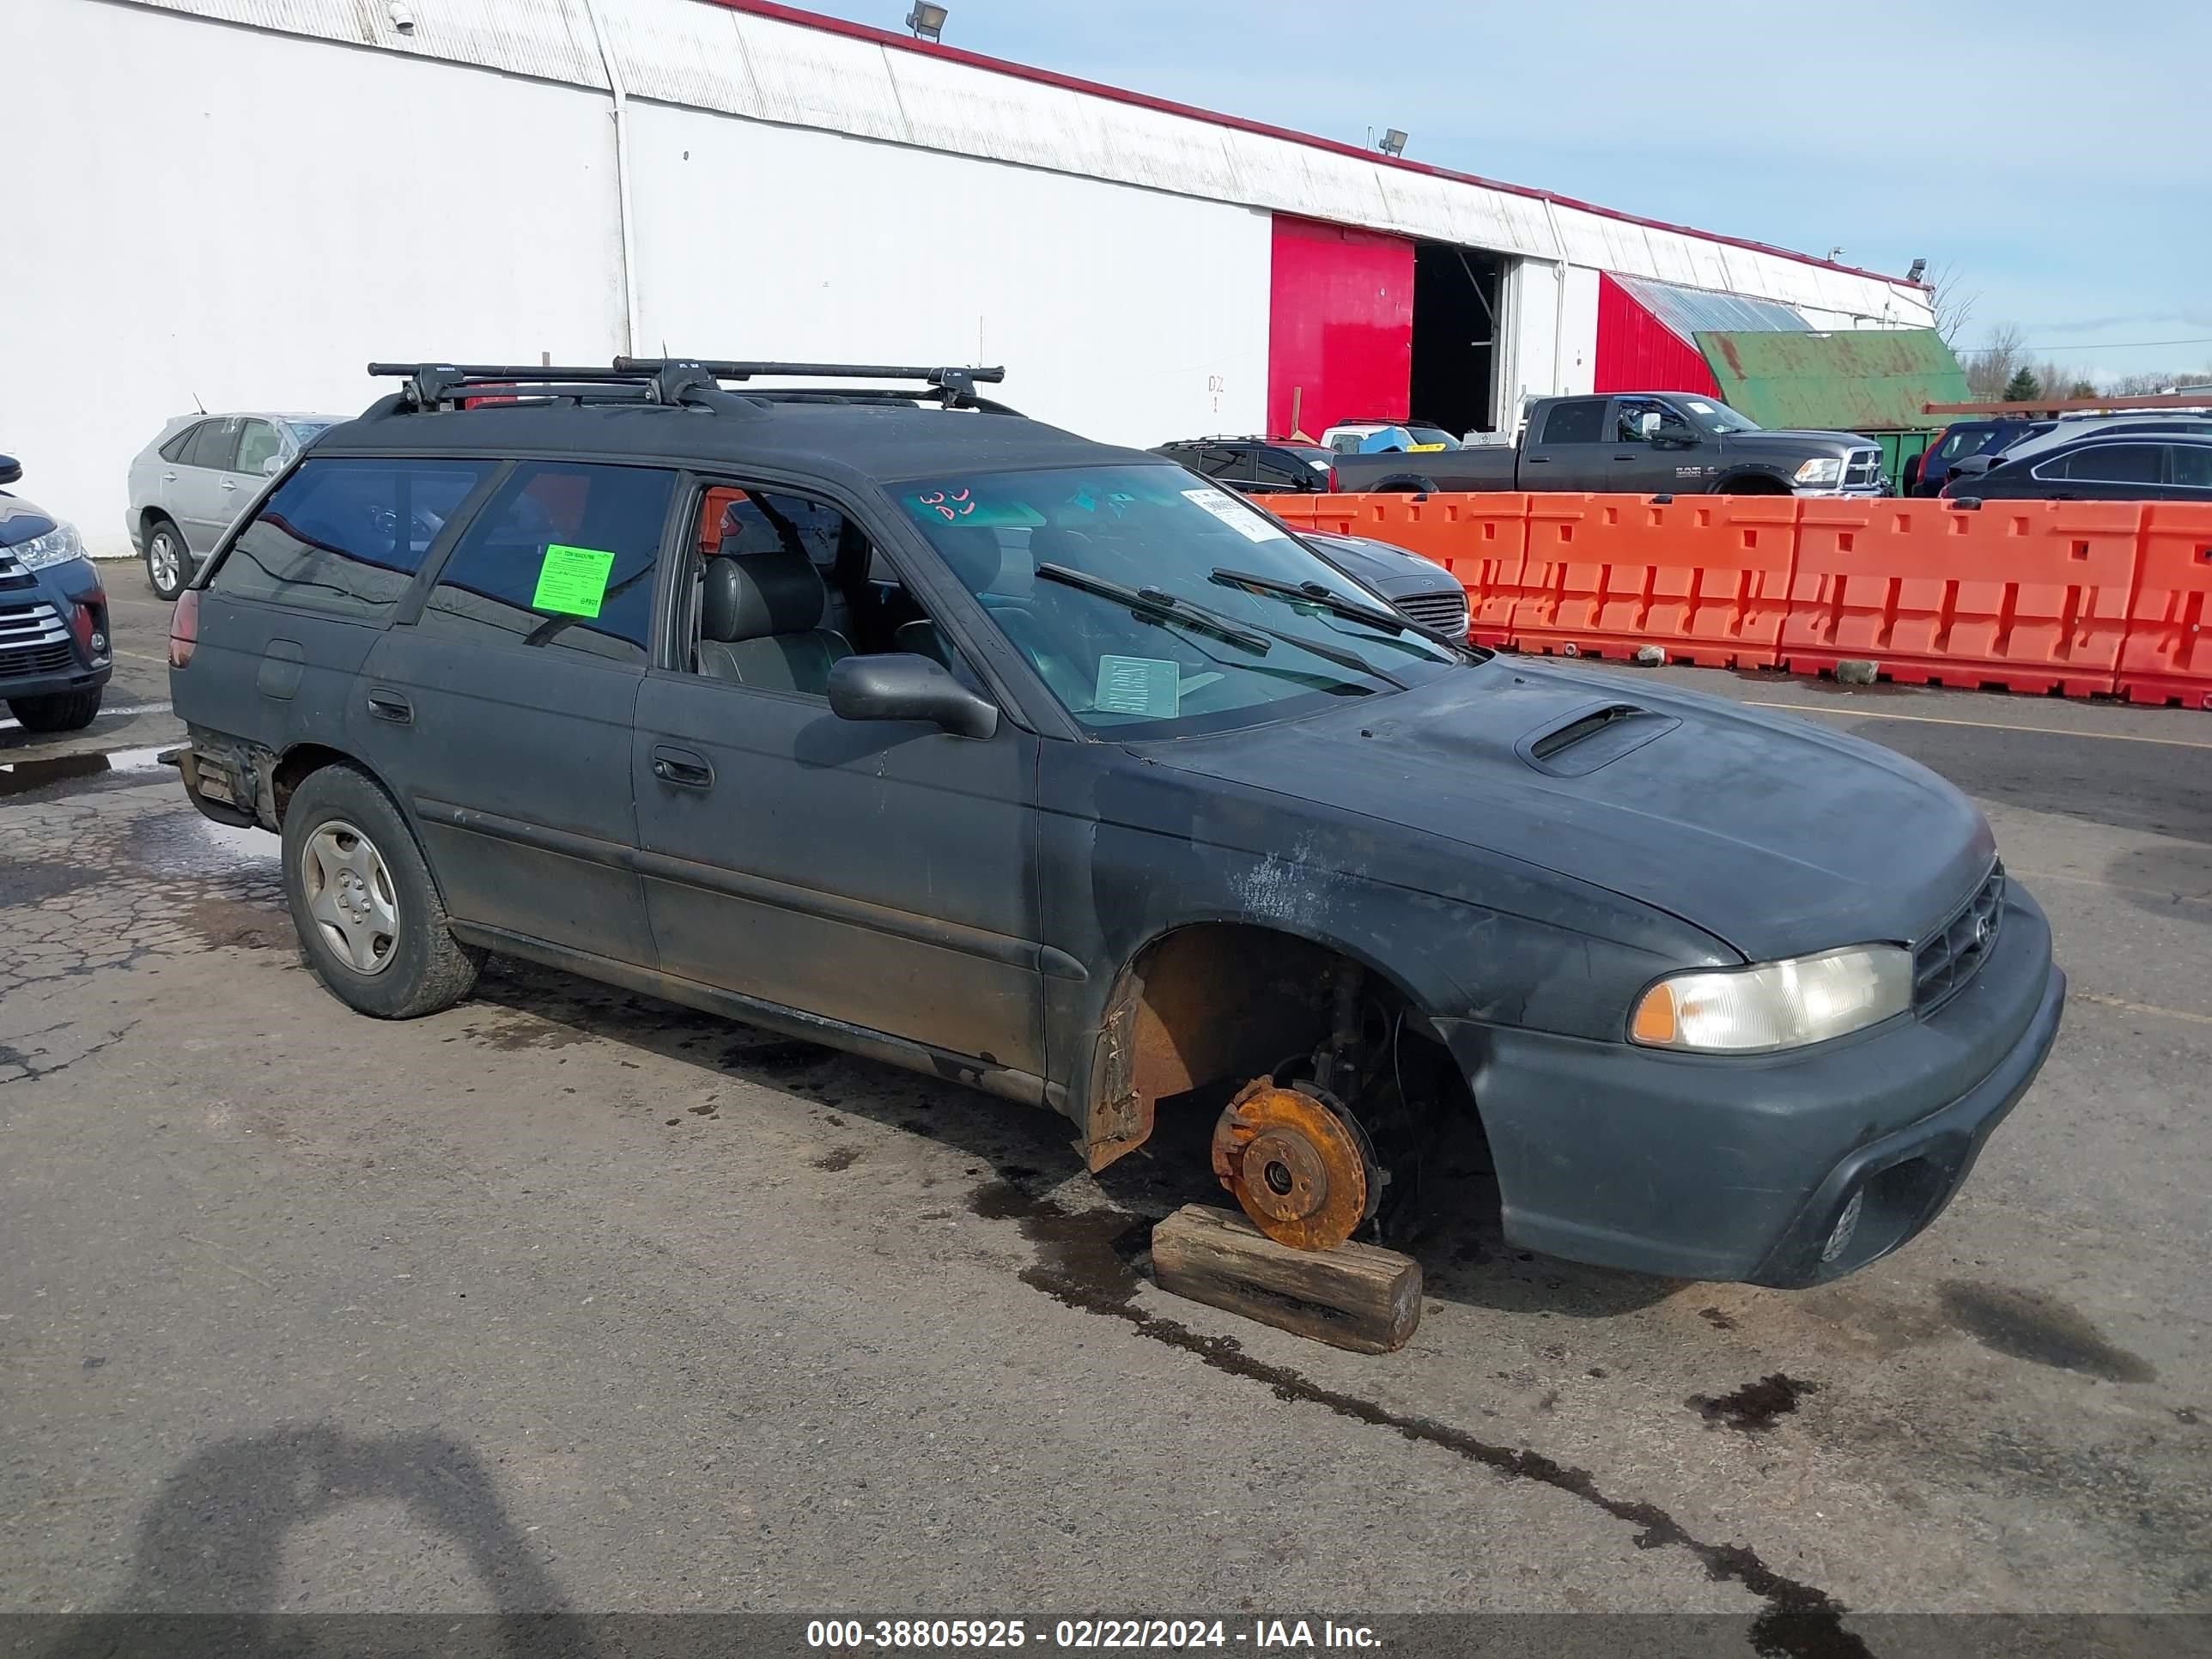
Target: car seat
760,620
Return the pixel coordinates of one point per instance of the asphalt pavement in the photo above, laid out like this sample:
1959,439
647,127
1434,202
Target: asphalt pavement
569,1299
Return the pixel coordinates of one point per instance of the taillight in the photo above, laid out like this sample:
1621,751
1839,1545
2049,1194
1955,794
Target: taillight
184,628
1333,489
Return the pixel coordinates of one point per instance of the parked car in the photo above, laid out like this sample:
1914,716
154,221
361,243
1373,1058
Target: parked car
1106,792
2105,465
1642,443
55,654
1926,474
1385,437
1257,466
1419,588
192,481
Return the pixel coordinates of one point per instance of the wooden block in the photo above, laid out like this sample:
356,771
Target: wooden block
1356,1295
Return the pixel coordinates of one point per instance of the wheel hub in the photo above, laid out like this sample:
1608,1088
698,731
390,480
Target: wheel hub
1302,1170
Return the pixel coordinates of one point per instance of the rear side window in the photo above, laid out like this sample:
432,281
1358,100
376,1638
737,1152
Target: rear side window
344,538
562,557
1581,421
215,443
1972,441
2117,464
174,449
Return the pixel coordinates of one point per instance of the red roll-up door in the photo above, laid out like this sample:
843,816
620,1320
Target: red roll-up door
1637,352
1339,326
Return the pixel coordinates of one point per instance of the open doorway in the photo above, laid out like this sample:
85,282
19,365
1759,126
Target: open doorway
1455,336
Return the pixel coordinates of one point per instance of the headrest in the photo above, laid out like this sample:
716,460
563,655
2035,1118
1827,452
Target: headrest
763,594
974,555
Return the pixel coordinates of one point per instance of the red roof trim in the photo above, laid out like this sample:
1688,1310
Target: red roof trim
782,14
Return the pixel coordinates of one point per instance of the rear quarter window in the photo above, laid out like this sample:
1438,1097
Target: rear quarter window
345,538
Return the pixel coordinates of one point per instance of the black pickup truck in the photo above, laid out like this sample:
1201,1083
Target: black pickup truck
1642,443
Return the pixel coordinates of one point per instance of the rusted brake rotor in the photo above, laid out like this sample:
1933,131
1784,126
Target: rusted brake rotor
1303,1172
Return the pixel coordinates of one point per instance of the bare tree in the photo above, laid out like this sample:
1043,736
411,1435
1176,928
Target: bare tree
2002,356
1955,305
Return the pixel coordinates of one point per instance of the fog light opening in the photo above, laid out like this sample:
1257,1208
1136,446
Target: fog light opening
1839,1238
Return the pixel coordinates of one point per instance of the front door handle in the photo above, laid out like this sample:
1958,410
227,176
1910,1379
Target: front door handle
1537,461
681,768
386,705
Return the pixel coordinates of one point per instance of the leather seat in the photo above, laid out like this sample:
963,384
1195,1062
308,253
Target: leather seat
760,622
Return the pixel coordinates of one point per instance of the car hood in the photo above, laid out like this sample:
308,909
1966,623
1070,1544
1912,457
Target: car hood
21,521
1776,836
1388,570
1794,441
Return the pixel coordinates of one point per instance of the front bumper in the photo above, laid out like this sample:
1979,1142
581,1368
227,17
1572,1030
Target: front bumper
40,650
1697,1167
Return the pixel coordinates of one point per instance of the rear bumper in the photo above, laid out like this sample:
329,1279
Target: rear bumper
1738,1169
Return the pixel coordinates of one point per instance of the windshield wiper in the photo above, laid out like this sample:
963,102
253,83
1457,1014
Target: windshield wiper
1329,599
1157,602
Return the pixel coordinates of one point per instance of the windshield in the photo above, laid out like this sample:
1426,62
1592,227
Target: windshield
1113,582
303,430
1717,418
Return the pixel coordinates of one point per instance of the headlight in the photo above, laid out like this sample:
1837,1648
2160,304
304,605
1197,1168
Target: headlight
1825,470
57,546
1775,1005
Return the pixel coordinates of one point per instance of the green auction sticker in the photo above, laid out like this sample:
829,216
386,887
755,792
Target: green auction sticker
573,580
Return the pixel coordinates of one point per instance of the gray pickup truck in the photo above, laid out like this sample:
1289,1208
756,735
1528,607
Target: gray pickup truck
1640,443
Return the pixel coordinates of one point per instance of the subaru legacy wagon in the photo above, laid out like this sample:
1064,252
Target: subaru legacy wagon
891,719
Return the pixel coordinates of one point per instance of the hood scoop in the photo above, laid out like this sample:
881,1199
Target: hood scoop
1585,739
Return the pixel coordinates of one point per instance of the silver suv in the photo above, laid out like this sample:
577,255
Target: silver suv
202,472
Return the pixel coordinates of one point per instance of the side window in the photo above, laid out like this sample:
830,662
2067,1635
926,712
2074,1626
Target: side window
344,538
562,557
214,445
2137,464
2191,463
1278,470
174,449
1578,421
1635,419
258,446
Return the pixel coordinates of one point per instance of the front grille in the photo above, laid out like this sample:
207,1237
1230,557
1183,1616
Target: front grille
1955,953
34,640
1864,467
1440,612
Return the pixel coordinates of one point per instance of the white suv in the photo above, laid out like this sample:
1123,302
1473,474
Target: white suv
190,482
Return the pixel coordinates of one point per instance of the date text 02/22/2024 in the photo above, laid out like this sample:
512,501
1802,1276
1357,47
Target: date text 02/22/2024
1284,1636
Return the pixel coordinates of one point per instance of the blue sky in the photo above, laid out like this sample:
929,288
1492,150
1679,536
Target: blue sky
1940,128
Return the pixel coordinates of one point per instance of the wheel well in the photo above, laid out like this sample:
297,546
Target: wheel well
1751,483
1210,1003
1405,483
293,767
151,516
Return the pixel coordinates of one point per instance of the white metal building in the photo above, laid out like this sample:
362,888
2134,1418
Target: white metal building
238,202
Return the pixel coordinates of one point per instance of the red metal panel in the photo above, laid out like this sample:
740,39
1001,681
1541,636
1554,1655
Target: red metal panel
1637,352
1339,326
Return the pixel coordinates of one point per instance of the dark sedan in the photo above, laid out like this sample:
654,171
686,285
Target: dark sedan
2108,466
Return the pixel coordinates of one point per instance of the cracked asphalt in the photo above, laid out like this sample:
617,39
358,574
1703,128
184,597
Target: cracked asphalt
569,1299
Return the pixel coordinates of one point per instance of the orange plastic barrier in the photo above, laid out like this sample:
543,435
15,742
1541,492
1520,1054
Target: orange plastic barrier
2168,656
1705,578
1482,539
2029,595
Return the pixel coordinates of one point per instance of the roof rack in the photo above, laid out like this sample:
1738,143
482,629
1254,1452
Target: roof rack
683,381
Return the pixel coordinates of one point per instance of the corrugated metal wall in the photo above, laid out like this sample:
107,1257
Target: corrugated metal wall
1339,326
1637,352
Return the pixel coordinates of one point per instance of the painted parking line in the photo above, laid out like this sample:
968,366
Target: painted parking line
2170,897
128,709
2123,1004
1982,725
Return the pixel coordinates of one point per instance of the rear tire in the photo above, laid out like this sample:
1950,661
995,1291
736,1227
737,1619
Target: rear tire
168,561
58,711
370,921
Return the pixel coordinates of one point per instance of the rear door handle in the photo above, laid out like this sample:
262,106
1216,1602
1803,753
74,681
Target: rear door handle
390,706
230,483
168,477
681,768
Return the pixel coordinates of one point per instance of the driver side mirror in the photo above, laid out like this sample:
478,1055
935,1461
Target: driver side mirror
10,469
901,685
